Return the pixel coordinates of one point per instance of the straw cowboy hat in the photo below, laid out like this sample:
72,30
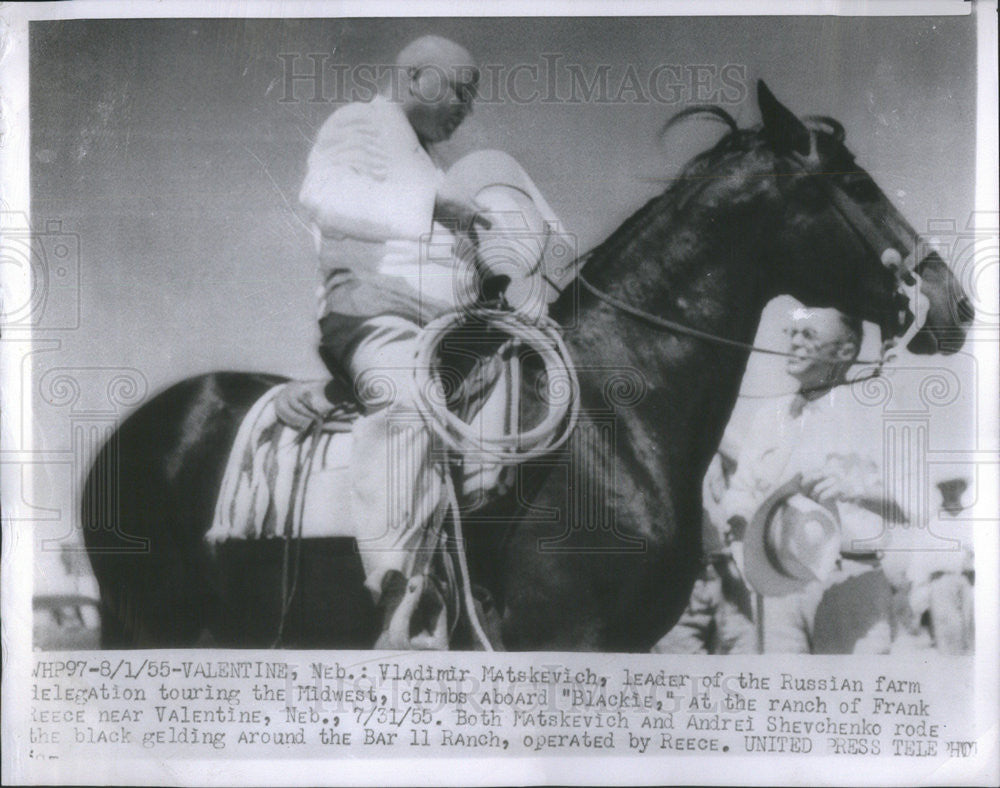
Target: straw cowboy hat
525,237
791,541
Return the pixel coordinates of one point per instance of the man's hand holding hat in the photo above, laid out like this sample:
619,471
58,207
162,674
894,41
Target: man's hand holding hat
791,541
839,479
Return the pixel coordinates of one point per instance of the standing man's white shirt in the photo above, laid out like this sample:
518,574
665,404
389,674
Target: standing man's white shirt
795,436
850,610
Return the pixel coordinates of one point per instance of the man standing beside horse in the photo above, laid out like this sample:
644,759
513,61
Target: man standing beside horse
806,495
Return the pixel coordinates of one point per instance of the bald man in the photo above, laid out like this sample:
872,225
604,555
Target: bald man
381,215
374,194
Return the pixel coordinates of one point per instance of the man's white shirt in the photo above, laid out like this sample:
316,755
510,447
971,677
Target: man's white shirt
793,435
370,190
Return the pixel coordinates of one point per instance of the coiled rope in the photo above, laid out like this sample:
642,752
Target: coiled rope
563,389
430,398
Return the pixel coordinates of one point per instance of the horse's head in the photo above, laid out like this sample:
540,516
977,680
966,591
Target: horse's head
838,241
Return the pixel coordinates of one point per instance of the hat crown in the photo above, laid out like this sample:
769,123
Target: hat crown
803,536
790,542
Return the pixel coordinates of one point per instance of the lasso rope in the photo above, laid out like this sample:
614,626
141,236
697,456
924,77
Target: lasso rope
463,565
430,392
430,398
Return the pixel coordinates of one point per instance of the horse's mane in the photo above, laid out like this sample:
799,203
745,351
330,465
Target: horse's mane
659,211
736,145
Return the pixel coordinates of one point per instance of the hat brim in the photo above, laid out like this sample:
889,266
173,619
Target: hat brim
760,571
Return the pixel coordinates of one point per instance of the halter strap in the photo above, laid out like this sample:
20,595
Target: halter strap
867,231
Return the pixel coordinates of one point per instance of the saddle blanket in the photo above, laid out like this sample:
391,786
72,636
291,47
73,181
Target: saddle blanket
279,482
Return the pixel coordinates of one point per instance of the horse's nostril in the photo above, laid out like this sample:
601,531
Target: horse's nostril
966,312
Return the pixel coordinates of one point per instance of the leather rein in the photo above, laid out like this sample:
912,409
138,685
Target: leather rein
855,219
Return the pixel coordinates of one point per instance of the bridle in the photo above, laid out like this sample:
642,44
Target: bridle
908,280
908,319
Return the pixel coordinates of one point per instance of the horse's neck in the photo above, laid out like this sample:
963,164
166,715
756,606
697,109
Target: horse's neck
690,384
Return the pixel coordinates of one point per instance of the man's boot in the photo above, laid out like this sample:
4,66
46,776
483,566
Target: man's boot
413,613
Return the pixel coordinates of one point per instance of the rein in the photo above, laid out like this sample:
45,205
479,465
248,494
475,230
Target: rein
680,328
855,219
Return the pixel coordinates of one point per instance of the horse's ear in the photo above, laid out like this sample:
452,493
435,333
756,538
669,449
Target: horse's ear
782,128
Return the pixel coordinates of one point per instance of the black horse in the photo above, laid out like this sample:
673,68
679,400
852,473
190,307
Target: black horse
599,545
